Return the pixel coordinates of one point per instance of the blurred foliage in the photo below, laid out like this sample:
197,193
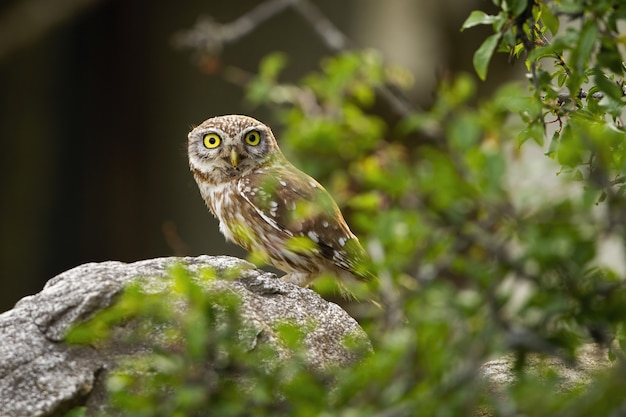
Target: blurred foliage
475,266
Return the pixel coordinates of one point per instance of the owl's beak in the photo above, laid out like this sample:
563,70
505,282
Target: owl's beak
234,158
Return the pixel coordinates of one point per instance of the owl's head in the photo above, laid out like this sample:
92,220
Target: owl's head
225,147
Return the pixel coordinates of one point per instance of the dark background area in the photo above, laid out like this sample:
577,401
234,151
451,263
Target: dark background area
95,109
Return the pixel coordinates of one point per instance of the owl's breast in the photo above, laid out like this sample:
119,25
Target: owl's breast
219,199
238,222
216,197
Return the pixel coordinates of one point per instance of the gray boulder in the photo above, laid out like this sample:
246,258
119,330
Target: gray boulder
499,374
41,375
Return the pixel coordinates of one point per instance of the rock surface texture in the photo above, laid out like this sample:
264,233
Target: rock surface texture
500,374
40,375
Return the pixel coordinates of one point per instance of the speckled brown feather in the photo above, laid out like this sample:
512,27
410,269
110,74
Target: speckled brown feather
286,193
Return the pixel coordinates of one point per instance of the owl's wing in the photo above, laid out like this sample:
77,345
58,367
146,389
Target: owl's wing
296,206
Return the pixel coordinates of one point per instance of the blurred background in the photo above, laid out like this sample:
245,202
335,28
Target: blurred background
96,102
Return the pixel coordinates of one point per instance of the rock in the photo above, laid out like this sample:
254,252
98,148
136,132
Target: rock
590,358
500,374
41,375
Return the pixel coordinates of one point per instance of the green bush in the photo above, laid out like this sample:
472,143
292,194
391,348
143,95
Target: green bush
472,267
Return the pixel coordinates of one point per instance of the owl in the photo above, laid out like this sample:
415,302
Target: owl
268,206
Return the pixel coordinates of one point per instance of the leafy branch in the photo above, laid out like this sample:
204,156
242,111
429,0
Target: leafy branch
474,265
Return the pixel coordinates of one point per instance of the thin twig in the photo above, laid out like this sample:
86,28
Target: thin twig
209,37
337,42
558,56
332,37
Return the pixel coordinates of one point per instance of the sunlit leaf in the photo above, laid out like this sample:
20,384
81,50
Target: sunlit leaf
549,19
482,56
478,17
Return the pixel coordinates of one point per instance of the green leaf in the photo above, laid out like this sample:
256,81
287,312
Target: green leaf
610,57
570,150
516,7
561,78
533,131
363,93
370,201
478,17
272,64
518,49
483,55
607,86
554,145
76,412
549,19
464,132
586,42
300,244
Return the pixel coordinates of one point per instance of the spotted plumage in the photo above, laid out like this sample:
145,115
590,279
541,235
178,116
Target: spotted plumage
268,206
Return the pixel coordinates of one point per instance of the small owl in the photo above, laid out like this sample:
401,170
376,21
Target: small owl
268,206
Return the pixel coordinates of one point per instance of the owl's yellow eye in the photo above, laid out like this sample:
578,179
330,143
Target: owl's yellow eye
211,140
253,138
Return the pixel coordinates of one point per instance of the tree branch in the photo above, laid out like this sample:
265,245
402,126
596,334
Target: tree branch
208,37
